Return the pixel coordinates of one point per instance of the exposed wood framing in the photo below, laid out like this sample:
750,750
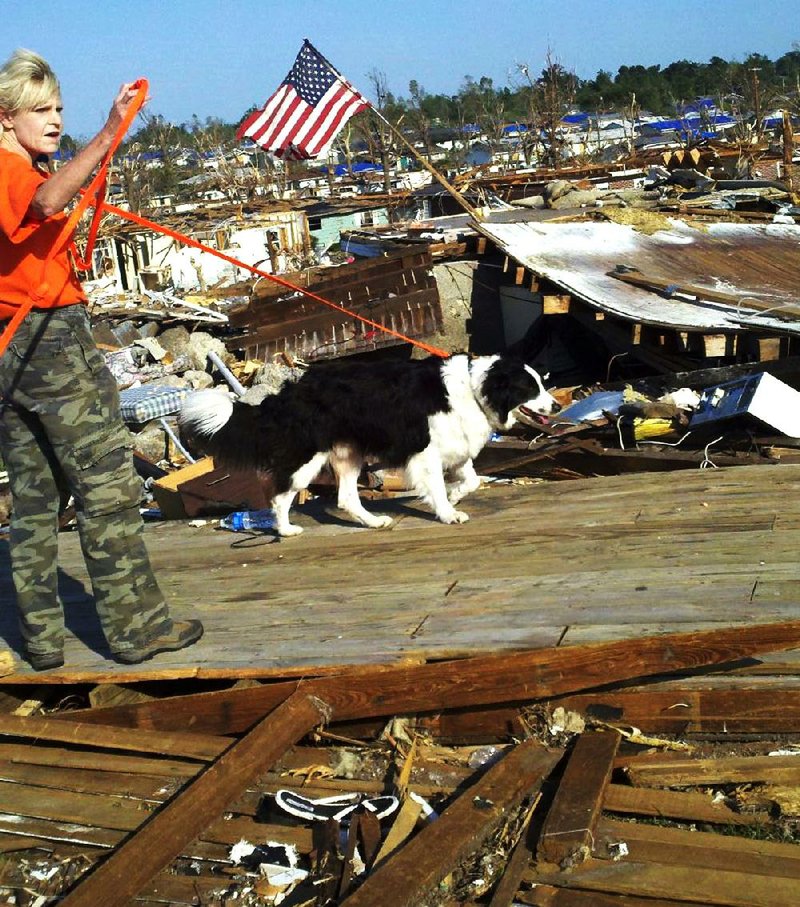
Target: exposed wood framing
556,304
460,830
398,292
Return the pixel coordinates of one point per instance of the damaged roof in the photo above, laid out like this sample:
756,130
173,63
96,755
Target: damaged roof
753,263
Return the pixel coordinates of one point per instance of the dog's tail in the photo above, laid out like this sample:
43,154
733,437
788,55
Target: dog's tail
205,413
226,429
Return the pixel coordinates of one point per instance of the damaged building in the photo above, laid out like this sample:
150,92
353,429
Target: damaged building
587,694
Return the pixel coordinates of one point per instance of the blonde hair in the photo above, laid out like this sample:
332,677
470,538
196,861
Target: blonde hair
26,81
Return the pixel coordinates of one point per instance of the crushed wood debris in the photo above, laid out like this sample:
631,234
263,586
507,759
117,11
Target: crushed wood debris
96,808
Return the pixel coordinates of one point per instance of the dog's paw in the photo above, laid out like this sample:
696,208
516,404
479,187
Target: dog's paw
380,522
456,516
289,529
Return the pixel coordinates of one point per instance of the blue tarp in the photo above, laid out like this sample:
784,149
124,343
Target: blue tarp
696,105
777,121
691,122
360,167
592,407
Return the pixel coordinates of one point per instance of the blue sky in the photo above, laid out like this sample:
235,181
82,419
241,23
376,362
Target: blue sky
217,57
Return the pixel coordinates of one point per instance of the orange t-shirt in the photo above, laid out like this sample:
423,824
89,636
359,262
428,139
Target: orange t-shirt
25,242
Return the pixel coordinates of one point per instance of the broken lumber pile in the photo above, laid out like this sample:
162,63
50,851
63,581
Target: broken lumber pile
347,789
397,291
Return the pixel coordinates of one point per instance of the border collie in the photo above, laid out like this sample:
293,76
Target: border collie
430,416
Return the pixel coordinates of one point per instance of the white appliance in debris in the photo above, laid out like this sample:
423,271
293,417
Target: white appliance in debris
761,396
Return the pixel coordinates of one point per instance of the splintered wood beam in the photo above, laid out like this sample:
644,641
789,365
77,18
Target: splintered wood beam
683,710
505,891
689,806
486,680
701,849
117,880
461,829
181,744
568,830
683,884
550,896
680,772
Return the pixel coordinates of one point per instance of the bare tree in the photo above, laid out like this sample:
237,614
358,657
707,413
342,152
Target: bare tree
481,104
550,97
382,138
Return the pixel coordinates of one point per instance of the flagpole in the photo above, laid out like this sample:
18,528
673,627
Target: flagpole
473,212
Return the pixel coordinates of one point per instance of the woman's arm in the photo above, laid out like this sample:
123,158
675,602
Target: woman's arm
58,191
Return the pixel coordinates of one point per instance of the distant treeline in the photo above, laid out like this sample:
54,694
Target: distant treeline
754,85
661,91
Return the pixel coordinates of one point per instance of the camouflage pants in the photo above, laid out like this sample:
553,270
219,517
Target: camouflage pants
61,433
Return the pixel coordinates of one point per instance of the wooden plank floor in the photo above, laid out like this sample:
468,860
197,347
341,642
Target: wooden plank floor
539,564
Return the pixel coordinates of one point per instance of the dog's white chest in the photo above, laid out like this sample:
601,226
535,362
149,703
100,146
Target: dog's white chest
459,436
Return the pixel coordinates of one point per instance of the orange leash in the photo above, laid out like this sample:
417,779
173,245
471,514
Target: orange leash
188,241
93,195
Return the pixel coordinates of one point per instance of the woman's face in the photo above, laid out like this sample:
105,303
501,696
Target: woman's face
36,131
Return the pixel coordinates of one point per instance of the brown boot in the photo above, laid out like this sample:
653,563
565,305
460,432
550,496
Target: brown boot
183,633
44,661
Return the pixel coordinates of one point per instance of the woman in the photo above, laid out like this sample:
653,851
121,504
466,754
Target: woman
60,427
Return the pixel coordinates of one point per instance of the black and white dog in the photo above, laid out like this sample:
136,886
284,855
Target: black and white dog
429,416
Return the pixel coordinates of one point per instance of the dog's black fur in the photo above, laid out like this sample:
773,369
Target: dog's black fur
428,416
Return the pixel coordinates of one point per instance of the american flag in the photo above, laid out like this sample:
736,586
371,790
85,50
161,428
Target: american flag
302,118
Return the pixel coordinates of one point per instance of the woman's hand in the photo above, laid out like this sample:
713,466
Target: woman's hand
125,97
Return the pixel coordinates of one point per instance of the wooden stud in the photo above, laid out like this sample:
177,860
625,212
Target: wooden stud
769,349
182,744
715,345
700,849
556,304
568,831
683,710
672,804
657,880
550,896
519,277
673,772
